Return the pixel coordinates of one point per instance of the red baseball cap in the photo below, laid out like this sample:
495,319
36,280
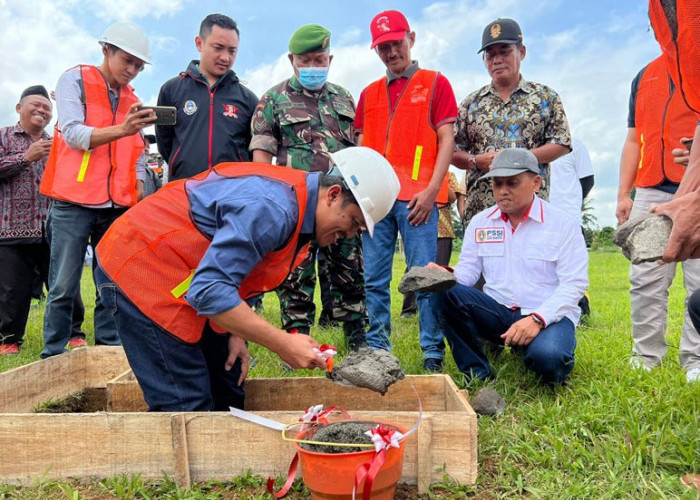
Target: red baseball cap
388,26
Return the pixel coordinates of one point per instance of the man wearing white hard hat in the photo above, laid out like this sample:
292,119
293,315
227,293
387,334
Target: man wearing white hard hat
181,268
95,172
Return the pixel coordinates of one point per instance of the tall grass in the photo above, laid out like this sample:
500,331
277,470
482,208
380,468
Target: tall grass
610,432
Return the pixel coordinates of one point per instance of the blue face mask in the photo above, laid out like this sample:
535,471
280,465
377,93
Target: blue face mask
313,78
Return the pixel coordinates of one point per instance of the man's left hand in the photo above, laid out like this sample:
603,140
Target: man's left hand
238,349
421,206
521,332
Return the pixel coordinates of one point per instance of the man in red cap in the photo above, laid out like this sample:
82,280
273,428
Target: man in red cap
409,102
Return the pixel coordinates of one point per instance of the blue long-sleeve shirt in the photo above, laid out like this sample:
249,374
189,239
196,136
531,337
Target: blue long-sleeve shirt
246,218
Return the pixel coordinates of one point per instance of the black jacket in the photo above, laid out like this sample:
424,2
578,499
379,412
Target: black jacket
213,124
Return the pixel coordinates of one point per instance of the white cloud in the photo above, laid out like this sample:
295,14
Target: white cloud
38,43
125,10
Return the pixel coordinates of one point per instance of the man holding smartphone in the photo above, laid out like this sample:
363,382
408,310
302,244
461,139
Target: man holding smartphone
213,108
94,172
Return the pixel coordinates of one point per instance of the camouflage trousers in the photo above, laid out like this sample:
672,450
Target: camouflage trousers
340,267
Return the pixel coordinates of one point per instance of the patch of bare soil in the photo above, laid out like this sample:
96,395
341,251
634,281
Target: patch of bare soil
89,400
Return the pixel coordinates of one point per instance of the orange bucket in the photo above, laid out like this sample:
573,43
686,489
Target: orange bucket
331,476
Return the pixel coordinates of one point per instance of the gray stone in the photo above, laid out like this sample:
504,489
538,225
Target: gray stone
426,279
486,401
372,369
644,239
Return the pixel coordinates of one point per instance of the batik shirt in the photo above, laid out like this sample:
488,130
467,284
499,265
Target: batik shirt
532,116
22,209
445,226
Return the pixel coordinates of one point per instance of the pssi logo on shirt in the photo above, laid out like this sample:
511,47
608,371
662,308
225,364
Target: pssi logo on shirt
490,235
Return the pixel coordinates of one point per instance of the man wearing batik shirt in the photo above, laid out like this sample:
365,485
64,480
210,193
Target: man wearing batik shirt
510,112
24,148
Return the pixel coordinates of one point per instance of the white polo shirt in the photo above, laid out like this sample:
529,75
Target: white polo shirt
541,266
565,192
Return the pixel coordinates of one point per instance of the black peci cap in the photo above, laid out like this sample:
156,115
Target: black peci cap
502,30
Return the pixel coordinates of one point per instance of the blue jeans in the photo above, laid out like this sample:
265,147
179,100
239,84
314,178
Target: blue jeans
468,315
420,246
174,375
70,228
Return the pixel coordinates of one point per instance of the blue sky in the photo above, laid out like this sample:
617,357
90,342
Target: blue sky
589,52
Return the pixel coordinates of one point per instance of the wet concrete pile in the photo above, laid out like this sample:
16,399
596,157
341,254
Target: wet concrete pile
372,369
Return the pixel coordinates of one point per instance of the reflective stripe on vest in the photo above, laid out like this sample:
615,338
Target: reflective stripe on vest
105,173
150,252
661,118
405,135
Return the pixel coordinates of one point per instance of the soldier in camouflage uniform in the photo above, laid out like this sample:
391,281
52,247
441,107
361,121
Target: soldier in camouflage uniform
301,121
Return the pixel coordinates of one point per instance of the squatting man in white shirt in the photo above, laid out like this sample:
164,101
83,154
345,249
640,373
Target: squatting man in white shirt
534,261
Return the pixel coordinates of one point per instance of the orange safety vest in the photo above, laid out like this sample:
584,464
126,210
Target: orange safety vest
107,172
405,136
661,118
152,251
681,49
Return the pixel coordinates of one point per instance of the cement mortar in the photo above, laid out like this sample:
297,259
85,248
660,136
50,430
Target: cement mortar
426,279
372,369
350,432
644,239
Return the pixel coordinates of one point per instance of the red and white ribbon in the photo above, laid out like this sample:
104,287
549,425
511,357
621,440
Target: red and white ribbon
384,438
327,352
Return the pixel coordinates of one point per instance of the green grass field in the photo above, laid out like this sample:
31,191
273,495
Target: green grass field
610,432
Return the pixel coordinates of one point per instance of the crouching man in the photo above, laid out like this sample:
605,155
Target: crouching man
178,269
534,260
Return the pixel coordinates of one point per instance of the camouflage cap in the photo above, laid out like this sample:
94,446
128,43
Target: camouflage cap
310,38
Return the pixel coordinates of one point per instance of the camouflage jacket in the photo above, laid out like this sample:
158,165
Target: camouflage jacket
301,127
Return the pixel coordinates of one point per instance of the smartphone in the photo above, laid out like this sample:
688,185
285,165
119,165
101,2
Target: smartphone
688,143
165,115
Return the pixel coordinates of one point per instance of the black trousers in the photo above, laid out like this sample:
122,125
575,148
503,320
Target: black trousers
23,265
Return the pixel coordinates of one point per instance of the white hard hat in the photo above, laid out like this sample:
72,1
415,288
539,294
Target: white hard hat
372,181
130,38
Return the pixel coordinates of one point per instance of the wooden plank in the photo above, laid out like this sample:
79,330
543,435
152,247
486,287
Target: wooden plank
283,394
178,427
124,394
84,445
23,388
141,443
103,363
424,454
295,393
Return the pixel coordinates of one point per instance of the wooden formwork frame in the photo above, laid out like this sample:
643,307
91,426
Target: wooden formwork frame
199,446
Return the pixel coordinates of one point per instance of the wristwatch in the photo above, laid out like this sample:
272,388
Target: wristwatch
471,161
537,320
